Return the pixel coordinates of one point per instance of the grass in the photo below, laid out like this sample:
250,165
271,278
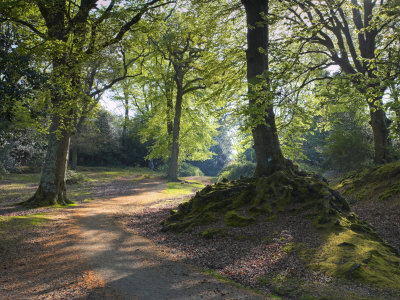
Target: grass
110,174
16,188
182,188
22,221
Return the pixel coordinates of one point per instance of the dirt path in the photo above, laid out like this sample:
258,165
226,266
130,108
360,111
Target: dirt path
132,267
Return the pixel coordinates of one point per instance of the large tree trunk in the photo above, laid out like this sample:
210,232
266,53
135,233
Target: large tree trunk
380,128
266,143
52,186
173,164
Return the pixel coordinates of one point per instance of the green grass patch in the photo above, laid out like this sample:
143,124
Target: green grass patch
183,187
20,178
73,204
18,222
143,177
110,174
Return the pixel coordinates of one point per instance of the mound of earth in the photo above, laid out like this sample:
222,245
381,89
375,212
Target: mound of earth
379,183
374,194
348,248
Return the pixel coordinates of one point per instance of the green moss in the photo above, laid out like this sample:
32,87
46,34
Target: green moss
212,232
390,192
205,218
221,278
289,247
351,252
72,204
378,183
232,218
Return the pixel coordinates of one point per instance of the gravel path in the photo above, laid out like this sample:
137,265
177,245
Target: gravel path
86,252
132,266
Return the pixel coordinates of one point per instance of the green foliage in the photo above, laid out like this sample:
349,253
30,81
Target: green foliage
74,177
99,142
235,170
186,169
347,149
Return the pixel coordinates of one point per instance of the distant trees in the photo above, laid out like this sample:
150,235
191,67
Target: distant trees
99,142
186,79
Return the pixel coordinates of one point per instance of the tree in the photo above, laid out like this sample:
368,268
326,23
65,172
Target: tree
185,83
351,36
70,38
266,144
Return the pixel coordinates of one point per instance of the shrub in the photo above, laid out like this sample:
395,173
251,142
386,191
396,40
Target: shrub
184,170
75,177
236,170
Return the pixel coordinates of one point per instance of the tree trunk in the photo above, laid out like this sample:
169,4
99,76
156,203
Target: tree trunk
266,143
74,156
52,186
380,128
126,117
173,164
170,108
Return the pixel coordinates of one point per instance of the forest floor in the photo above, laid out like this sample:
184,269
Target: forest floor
109,246
87,252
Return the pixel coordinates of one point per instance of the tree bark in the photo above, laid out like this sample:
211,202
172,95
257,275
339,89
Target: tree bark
170,108
126,117
266,143
74,156
382,143
173,164
52,186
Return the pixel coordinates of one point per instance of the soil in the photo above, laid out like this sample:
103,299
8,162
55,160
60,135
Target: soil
86,252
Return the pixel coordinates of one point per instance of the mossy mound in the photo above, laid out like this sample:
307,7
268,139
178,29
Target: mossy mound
239,202
352,250
379,183
349,248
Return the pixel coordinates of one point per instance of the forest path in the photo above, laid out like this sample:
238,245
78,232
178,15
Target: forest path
133,267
